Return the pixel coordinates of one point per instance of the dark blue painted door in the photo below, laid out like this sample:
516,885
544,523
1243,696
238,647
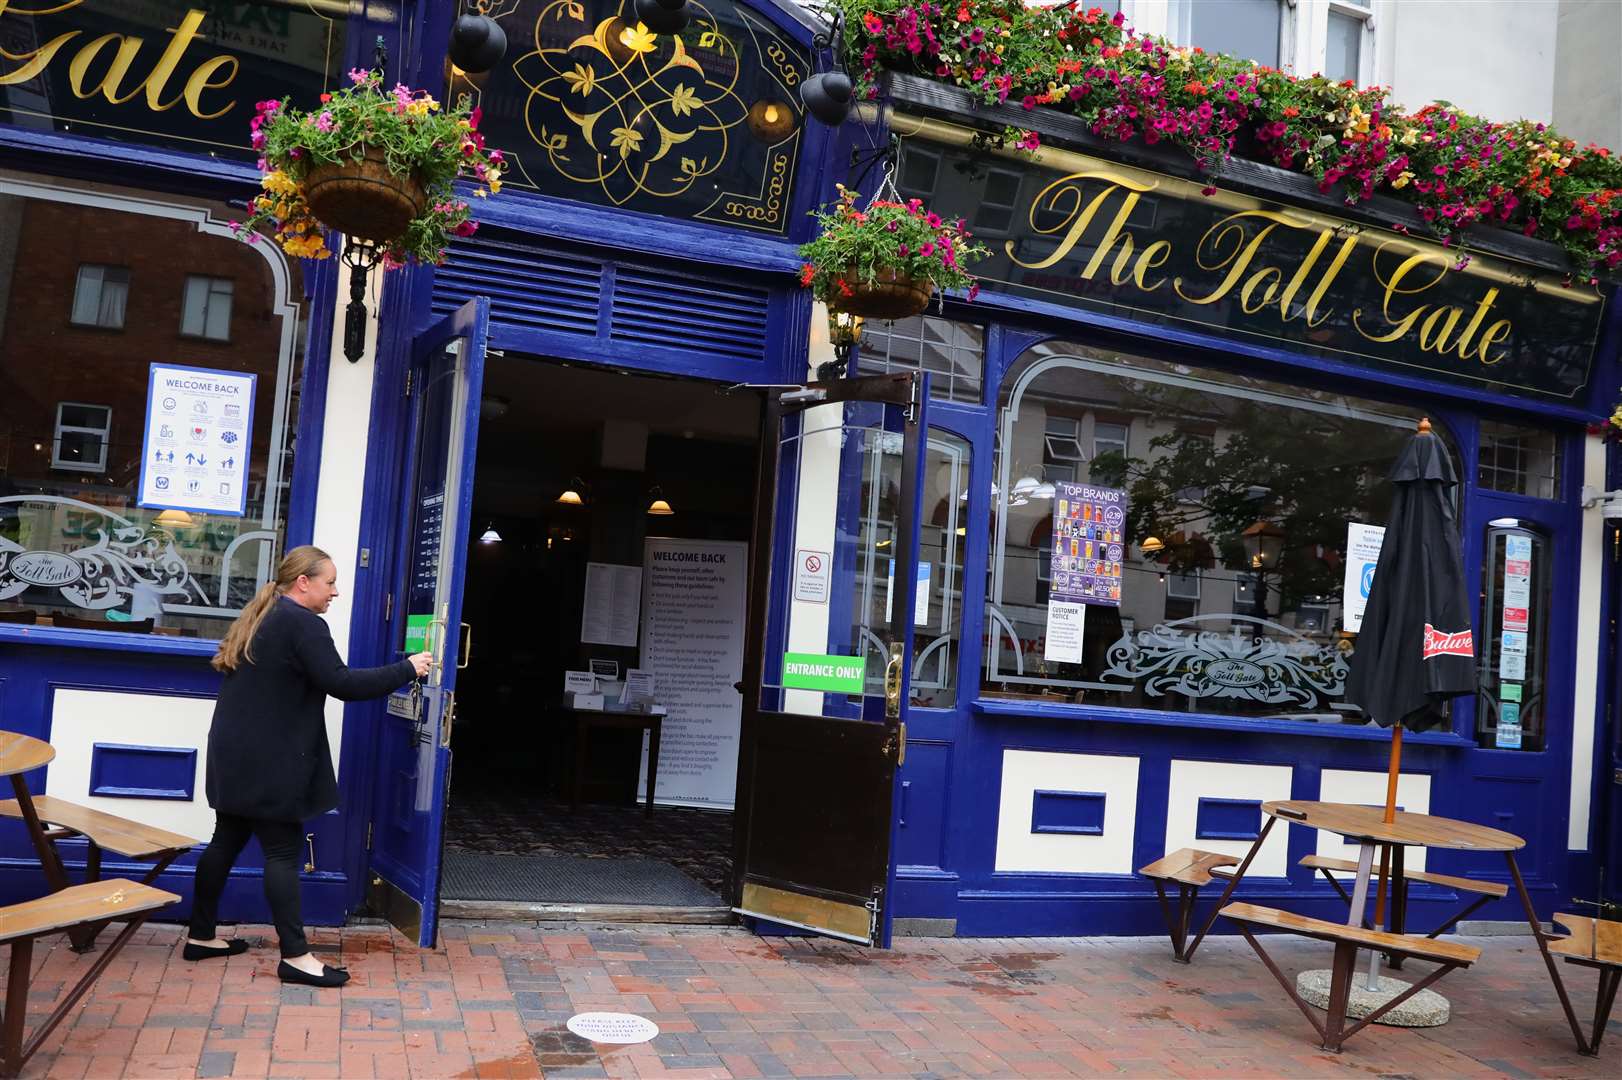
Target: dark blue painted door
836,546
447,372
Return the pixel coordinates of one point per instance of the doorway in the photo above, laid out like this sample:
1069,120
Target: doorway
584,476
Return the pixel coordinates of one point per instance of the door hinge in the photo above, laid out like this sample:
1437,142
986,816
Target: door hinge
369,836
388,606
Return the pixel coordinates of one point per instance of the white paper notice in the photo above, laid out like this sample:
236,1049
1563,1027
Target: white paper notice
197,440
1362,555
812,572
692,640
579,682
638,687
1514,641
1512,666
1066,623
1517,592
613,601
920,596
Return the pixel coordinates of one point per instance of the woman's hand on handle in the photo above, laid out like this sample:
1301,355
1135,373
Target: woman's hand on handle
421,662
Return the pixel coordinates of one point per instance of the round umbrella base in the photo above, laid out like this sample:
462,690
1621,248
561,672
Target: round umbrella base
1425,1009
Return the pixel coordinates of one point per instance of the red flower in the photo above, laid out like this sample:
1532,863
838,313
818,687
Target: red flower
325,98
807,272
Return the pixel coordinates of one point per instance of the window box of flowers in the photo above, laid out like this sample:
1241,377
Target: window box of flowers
885,262
377,165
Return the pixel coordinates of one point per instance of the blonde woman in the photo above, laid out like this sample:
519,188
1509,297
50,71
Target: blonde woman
269,765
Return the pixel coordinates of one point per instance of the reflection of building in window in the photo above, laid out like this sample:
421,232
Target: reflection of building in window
1216,463
1061,449
100,295
206,310
953,352
80,442
995,212
1182,595
1343,40
1519,460
920,169
70,469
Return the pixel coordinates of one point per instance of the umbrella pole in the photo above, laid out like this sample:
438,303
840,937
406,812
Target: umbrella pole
1385,849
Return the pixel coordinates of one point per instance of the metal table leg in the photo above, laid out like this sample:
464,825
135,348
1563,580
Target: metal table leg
1543,947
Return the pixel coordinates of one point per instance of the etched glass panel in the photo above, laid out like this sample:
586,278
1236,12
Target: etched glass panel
75,547
1233,549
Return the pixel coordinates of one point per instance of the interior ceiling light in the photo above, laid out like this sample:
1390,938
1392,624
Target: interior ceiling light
571,494
175,519
658,507
490,536
1044,490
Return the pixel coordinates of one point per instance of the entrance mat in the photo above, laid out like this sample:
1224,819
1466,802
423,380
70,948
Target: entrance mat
570,879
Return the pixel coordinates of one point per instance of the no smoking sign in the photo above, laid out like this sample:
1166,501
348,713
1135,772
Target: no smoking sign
811,576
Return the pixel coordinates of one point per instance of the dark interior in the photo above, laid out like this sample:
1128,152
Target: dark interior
613,437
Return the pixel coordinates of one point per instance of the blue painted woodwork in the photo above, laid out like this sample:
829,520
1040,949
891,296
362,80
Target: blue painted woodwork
119,771
1227,819
1072,813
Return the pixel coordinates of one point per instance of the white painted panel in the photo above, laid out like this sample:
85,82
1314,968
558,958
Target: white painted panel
1024,772
1368,789
815,511
82,718
342,482
1193,780
1586,687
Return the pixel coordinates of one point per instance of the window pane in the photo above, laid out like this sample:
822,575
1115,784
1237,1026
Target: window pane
84,416
918,169
1519,460
1344,50
69,478
1514,636
938,628
1244,28
194,307
954,352
1247,485
219,311
87,295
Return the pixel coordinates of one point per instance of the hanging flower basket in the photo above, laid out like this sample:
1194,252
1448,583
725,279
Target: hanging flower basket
377,165
891,294
885,262
362,197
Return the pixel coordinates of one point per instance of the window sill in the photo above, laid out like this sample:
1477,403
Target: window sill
110,640
1042,710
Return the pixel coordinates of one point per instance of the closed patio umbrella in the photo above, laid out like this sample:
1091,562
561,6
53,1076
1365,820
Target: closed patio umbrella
1415,650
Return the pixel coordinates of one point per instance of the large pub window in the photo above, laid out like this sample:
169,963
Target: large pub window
1232,556
76,545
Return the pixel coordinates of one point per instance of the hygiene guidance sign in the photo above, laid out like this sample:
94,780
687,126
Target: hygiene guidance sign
1362,556
693,613
197,440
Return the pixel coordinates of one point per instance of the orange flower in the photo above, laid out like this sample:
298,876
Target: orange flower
1291,111
807,272
1194,86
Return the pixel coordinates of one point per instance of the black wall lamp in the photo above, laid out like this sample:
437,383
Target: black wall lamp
477,41
844,331
662,16
827,95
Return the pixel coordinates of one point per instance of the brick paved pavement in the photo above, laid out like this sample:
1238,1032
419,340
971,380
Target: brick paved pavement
492,1002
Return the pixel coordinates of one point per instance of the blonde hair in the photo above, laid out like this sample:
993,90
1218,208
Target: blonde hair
235,647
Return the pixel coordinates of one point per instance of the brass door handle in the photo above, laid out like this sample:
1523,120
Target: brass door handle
892,681
465,649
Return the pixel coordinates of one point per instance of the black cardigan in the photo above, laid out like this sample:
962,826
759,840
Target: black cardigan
268,755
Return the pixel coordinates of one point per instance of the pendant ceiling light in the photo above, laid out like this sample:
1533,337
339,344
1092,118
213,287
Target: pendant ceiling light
490,536
175,519
571,494
662,16
659,507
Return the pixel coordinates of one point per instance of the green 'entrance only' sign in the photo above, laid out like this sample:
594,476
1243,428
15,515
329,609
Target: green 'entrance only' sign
814,671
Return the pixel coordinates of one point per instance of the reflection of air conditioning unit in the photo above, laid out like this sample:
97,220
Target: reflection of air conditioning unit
1609,502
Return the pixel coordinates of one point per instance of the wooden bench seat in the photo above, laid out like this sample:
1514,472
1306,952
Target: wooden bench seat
1484,892
1595,943
1447,955
94,903
59,819
1189,869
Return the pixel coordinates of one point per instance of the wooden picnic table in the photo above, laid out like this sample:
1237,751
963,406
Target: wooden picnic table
1366,825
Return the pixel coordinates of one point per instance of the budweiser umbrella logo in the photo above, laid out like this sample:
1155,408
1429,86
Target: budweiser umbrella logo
1442,643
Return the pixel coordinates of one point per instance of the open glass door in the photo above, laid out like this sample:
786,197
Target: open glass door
829,654
413,757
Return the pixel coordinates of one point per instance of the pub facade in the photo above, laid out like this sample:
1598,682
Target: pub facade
1240,356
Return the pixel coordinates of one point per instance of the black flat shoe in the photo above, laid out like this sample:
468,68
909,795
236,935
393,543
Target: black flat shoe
234,947
330,976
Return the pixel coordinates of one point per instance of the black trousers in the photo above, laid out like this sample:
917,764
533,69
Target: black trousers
281,841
